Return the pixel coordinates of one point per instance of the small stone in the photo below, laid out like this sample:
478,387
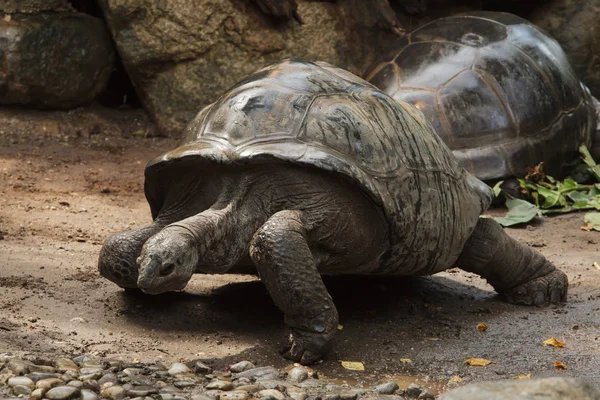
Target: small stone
37,394
169,396
42,368
79,360
110,377
65,364
63,393
414,390
200,368
90,370
259,373
185,382
298,374
296,393
141,391
201,397
250,388
273,384
113,392
178,368
90,377
37,376
87,394
234,395
21,381
77,384
133,371
213,393
21,390
386,388
242,366
18,367
426,395
270,394
220,385
49,383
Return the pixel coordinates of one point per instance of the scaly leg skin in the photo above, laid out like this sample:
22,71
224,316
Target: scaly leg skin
280,251
516,271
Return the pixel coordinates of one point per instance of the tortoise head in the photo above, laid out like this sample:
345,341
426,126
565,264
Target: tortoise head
167,261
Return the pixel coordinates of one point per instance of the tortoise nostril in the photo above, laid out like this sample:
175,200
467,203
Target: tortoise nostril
167,269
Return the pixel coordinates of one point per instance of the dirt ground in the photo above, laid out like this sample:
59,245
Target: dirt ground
70,179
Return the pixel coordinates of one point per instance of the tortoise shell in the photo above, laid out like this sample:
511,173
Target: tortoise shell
319,116
497,89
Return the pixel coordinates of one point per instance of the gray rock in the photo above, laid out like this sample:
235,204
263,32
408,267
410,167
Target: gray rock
42,368
414,390
169,396
21,390
270,394
201,397
87,394
220,385
17,366
212,393
165,52
530,389
185,382
90,377
242,366
296,393
63,393
258,374
90,370
250,388
110,377
65,364
141,391
77,384
113,392
37,394
386,388
178,368
36,376
298,374
58,60
200,368
21,381
49,383
574,24
234,395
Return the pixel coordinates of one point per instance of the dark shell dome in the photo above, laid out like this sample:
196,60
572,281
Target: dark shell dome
497,89
316,115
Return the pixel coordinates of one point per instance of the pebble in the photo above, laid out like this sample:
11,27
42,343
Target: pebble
201,397
250,388
220,385
242,366
87,394
259,373
296,393
37,394
36,376
113,392
64,365
42,368
110,377
18,367
185,382
234,395
141,391
49,383
21,381
386,388
200,368
63,393
21,390
298,374
178,368
213,393
77,384
90,370
270,394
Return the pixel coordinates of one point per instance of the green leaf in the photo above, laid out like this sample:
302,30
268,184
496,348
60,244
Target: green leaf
587,158
497,190
551,197
581,201
519,212
569,184
592,220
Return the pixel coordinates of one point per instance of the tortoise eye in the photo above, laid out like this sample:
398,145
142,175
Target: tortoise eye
167,269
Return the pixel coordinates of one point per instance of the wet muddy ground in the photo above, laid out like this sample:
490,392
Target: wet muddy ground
69,179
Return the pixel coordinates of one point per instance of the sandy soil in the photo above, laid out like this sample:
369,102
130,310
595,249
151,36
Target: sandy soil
69,179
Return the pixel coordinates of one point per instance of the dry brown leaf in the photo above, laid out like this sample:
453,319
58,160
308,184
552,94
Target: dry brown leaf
559,365
406,361
596,265
477,362
554,342
482,327
455,379
525,376
586,227
353,365
340,327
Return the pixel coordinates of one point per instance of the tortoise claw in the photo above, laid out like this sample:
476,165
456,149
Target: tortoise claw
547,289
304,347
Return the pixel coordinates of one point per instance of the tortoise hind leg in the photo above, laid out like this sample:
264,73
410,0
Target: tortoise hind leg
515,270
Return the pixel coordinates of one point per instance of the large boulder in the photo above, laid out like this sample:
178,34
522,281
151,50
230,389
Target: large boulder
574,23
53,59
534,389
182,54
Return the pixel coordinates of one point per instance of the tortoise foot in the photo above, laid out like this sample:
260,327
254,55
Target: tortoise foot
547,289
304,347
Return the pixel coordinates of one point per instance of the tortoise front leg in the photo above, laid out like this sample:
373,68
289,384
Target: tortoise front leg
515,270
280,251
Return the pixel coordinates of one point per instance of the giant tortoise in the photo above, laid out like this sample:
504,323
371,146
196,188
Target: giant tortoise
497,89
304,169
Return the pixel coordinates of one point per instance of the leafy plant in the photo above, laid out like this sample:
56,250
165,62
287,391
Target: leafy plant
546,195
